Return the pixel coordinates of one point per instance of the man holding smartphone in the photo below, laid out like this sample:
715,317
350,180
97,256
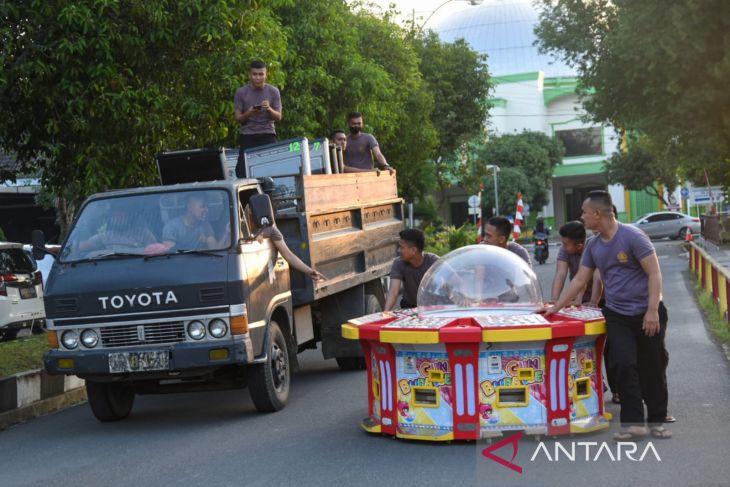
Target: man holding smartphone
258,107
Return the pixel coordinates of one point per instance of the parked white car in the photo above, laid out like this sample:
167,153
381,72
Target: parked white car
21,291
670,224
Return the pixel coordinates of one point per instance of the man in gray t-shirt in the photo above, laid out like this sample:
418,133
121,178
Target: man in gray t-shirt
408,269
497,232
191,231
361,147
636,318
257,108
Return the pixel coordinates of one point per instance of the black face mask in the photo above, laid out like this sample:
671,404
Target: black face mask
354,130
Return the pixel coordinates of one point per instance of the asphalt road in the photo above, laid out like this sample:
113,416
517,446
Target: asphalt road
218,439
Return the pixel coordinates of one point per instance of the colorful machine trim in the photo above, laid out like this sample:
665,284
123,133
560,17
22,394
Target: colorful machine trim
439,379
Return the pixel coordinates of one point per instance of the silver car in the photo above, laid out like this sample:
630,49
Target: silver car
670,224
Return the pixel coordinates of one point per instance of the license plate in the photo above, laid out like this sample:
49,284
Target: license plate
138,361
27,292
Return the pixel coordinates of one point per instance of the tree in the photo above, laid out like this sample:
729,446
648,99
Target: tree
458,79
658,68
510,181
533,154
645,167
91,90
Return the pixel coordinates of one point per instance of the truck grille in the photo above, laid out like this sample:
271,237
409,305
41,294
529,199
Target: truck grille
126,335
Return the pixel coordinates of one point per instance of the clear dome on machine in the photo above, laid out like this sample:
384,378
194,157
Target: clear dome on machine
479,280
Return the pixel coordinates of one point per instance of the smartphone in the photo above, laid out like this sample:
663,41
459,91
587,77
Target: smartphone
256,107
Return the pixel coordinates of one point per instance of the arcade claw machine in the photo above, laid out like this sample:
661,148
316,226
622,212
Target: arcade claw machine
475,359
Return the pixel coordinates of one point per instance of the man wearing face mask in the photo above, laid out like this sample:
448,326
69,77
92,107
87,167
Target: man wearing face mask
361,147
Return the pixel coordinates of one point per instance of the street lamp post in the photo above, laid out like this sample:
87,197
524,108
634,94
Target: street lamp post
495,168
423,24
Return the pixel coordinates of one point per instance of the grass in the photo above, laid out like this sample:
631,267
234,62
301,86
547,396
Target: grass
718,323
22,354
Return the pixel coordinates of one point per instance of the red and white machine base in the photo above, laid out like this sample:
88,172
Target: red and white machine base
442,378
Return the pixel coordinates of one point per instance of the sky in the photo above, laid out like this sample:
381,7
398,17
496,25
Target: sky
424,8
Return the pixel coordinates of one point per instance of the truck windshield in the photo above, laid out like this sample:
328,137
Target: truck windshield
151,224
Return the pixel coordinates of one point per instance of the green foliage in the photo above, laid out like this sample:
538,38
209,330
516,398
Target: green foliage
22,354
717,322
91,90
457,78
659,68
644,166
526,162
442,240
426,210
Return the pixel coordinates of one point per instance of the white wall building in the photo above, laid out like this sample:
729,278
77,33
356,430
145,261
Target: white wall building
534,92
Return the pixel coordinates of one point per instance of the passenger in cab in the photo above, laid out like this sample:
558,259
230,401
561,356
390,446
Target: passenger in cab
193,231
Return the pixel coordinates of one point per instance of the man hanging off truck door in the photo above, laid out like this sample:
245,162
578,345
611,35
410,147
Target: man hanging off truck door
258,107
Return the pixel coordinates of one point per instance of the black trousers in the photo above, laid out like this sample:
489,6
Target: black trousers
248,142
640,364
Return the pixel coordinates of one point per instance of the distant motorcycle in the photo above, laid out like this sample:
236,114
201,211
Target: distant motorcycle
542,251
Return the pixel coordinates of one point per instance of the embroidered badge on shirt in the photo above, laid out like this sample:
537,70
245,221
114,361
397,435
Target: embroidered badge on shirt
622,257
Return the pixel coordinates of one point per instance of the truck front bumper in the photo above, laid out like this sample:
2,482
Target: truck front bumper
185,358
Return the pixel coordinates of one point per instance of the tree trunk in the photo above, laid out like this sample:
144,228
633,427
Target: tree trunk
65,212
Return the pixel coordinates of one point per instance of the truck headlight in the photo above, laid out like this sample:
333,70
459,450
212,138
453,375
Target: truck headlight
70,339
89,338
196,330
217,328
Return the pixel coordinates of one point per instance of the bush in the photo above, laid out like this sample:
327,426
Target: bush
441,241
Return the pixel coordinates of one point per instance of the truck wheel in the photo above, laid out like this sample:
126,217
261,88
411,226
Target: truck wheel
372,305
110,401
268,383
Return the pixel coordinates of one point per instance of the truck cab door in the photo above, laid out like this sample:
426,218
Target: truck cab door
267,273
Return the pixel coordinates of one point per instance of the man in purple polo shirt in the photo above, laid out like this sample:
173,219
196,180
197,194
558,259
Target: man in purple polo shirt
361,147
635,315
258,106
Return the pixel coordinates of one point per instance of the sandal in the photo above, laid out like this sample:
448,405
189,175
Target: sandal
615,398
633,433
660,433
670,419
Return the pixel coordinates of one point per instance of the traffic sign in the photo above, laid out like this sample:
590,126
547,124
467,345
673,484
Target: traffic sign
701,195
474,201
685,193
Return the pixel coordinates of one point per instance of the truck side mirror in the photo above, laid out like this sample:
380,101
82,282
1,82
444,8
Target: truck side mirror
38,239
263,213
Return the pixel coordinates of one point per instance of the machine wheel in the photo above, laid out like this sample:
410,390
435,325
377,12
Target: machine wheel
372,305
682,233
110,401
268,382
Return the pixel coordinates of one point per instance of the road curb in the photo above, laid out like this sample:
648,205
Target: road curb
34,393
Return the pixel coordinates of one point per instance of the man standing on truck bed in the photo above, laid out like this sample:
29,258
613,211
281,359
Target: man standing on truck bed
408,269
258,107
361,147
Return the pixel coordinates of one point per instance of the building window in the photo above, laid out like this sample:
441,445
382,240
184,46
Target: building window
581,142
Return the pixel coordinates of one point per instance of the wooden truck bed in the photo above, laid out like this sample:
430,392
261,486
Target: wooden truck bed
348,231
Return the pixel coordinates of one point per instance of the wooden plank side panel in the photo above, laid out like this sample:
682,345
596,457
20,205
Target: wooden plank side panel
324,192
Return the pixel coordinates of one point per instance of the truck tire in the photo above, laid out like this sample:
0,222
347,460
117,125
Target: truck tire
268,382
372,305
110,401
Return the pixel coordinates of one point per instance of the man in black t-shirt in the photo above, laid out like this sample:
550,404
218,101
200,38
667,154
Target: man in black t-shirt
408,269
